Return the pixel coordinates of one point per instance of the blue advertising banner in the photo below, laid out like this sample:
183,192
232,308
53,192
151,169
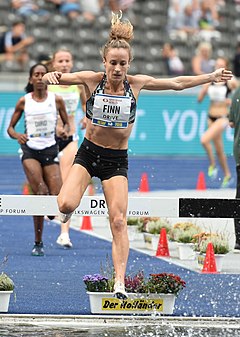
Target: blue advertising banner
165,124
8,101
172,124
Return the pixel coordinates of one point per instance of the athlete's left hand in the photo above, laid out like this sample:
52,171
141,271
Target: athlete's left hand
63,133
222,75
83,123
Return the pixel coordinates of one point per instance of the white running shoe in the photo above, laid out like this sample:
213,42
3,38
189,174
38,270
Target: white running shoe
64,240
119,291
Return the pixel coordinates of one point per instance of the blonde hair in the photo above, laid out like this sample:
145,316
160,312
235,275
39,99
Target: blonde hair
120,35
49,63
204,45
63,49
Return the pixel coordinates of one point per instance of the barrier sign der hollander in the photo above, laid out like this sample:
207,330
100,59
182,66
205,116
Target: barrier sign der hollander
137,303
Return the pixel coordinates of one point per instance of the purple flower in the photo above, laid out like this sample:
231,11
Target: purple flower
156,283
96,283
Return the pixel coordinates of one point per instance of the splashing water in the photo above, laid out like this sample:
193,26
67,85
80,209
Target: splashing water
161,330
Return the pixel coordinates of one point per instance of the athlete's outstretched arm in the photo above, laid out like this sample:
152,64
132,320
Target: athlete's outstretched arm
57,77
184,82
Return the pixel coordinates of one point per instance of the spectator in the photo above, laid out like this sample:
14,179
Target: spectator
174,15
190,19
202,62
27,8
236,61
57,3
14,45
209,21
91,9
71,8
173,62
124,6
113,5
183,19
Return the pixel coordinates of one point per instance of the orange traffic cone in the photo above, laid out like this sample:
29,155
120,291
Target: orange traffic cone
91,189
144,186
209,265
86,224
162,249
201,184
26,189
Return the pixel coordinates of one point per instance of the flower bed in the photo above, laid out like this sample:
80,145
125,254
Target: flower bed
156,293
219,241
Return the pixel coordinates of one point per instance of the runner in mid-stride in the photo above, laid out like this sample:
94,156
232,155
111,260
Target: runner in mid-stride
111,111
40,109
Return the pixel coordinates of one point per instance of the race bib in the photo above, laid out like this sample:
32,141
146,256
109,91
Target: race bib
41,125
111,111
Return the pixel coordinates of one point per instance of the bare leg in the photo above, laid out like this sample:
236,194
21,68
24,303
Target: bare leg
221,155
38,228
72,190
208,148
214,133
116,195
66,161
206,143
53,178
34,174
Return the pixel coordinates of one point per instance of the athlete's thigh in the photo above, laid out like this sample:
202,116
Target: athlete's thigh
218,142
34,174
67,158
214,129
52,177
75,184
116,195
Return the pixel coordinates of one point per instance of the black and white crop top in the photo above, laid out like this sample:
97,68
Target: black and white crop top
109,110
218,92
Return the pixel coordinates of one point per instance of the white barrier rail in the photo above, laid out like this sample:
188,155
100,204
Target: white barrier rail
25,205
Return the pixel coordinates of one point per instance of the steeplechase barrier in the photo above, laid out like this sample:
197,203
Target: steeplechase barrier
137,206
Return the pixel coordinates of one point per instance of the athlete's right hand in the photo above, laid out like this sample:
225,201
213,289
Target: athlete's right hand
52,77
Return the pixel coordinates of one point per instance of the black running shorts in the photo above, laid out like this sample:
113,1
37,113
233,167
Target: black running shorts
62,143
45,157
102,162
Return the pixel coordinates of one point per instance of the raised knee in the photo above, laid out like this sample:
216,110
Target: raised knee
64,205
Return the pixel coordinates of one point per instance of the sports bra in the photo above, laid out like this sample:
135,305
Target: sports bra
100,90
218,92
70,95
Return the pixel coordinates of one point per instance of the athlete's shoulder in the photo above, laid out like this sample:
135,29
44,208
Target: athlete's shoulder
58,98
138,81
89,74
20,103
